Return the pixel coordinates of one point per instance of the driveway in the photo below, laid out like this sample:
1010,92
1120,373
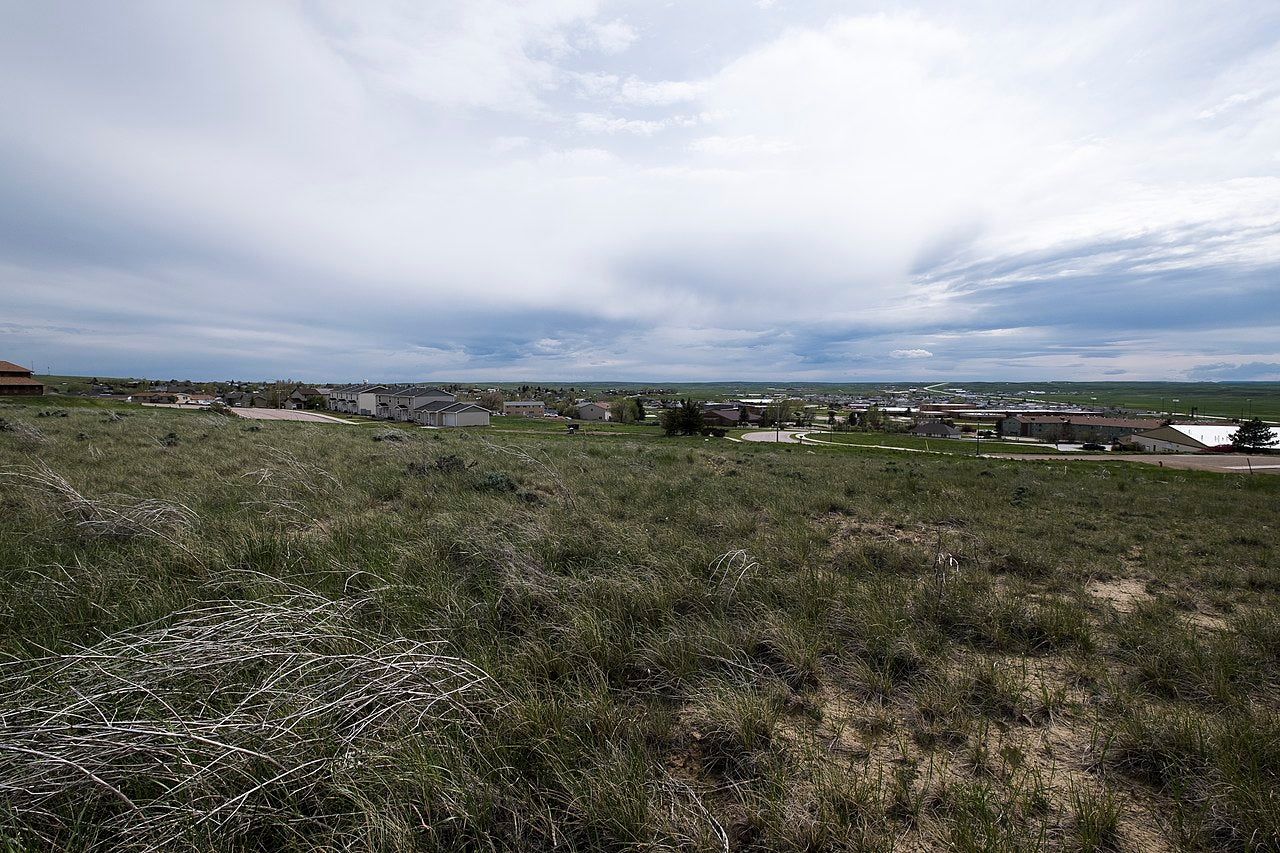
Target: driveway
288,415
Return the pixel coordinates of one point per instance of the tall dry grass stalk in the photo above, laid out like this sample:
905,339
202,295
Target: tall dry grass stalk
90,517
219,721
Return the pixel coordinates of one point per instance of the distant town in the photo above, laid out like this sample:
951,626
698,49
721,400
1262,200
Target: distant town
938,411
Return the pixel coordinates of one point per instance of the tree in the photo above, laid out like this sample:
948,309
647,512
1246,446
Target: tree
492,400
685,419
1253,434
874,418
626,410
776,413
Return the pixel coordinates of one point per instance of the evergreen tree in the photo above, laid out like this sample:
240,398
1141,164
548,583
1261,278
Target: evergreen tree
685,419
1253,434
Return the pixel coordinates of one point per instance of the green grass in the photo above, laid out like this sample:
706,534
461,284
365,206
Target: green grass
1221,399
686,643
558,426
963,446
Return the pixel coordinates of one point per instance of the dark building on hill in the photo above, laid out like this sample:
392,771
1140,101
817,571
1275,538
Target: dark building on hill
935,429
15,380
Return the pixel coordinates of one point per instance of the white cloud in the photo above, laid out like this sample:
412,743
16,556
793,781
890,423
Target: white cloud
1230,102
728,146
611,36
635,91
911,353
603,123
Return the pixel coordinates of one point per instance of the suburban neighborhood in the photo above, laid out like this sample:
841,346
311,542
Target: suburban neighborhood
926,413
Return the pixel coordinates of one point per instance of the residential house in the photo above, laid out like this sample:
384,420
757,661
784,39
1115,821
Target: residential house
16,380
401,403
590,411
304,397
243,399
363,399
447,413
524,408
153,397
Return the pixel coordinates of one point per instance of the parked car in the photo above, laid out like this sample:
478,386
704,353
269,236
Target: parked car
1092,445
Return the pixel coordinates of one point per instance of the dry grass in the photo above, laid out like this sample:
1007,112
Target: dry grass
691,645
221,720
99,517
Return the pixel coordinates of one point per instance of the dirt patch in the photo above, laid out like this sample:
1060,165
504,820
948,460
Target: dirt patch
876,530
1205,620
1124,594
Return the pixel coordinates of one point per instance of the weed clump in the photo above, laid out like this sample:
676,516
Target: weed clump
497,481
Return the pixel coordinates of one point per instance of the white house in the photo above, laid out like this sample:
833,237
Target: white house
355,399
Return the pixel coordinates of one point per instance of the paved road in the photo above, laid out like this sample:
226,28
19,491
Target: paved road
288,415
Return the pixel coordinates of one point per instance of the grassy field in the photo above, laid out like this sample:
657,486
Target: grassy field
1220,399
963,446
222,635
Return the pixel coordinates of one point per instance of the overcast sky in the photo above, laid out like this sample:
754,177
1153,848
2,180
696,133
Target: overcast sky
636,190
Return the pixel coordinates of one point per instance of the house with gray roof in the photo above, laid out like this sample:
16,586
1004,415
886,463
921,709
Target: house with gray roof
446,413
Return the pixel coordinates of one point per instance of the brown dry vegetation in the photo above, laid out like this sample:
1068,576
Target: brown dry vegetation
219,637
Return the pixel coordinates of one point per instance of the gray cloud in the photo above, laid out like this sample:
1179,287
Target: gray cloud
1252,371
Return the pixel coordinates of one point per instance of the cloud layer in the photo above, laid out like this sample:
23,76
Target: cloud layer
581,189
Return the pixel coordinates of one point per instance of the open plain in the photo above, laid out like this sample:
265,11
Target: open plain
227,635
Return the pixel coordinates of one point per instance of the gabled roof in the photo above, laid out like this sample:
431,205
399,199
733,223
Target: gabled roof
435,406
420,391
10,367
19,381
1212,435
